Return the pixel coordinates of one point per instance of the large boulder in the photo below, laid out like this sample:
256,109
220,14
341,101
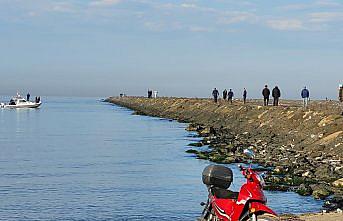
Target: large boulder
320,191
323,172
197,144
304,190
338,183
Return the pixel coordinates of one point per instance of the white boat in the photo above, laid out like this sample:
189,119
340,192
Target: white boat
19,102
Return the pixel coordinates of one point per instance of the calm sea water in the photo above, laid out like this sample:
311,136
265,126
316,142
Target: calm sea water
81,159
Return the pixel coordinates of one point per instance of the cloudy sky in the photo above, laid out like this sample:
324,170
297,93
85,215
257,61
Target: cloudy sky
179,47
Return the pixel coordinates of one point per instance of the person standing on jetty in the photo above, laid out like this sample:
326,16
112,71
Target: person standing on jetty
149,93
28,97
245,93
266,94
305,94
230,95
215,94
224,94
276,93
155,94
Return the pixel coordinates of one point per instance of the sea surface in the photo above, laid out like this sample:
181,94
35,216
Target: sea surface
82,159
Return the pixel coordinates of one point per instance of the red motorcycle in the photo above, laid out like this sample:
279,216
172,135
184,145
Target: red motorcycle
249,204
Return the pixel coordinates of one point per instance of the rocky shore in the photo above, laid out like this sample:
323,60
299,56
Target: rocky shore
301,149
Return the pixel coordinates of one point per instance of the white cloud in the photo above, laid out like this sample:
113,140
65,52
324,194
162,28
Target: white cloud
327,3
237,17
286,24
185,5
105,2
61,7
32,14
174,26
313,5
155,26
321,17
172,6
295,7
199,29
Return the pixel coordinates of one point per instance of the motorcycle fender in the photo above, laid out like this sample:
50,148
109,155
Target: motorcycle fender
259,207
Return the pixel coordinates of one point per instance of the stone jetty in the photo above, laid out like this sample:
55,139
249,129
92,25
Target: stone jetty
301,149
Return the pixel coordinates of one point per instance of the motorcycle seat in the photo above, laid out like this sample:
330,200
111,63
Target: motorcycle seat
224,193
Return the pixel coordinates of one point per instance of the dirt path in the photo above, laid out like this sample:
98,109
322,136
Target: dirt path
323,217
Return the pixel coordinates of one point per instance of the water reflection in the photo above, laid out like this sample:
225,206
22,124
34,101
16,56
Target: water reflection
78,159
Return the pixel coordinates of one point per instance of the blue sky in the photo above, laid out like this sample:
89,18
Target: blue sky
180,48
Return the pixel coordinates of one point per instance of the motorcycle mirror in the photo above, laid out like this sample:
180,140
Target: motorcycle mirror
249,153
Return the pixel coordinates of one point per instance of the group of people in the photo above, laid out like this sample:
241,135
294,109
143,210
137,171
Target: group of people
151,93
37,99
228,95
276,94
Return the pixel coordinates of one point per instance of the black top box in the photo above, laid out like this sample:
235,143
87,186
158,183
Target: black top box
218,176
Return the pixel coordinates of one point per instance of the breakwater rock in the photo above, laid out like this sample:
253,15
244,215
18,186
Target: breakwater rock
302,148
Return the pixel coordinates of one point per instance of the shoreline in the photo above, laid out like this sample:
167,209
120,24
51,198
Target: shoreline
302,148
332,216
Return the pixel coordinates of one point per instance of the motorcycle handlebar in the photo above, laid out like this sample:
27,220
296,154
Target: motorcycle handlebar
245,171
241,167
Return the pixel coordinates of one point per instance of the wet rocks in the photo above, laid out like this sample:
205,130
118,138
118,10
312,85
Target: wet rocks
197,144
304,190
320,191
192,151
303,146
334,203
203,155
323,172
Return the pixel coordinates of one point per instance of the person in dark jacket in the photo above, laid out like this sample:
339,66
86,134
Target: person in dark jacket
28,97
149,93
215,95
245,93
340,93
230,95
305,95
224,94
266,94
276,93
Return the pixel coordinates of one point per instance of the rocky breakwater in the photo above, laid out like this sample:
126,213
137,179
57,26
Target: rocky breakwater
301,149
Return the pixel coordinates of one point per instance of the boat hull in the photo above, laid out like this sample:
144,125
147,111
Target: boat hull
29,105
